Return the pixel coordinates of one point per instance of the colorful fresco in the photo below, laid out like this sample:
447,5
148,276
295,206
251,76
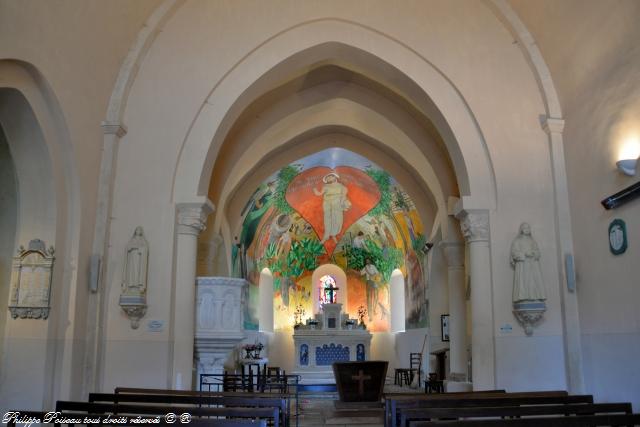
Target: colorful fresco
332,207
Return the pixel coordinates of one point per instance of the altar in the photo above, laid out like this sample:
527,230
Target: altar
330,337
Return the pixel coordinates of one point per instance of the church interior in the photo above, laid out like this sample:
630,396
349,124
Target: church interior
343,212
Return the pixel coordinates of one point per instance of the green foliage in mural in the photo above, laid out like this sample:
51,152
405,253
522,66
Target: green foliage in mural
419,243
400,201
385,259
285,176
303,256
383,180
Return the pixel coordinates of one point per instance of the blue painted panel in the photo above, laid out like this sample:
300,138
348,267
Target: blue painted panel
304,355
360,356
327,354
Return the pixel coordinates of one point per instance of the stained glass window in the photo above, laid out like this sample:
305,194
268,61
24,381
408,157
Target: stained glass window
327,290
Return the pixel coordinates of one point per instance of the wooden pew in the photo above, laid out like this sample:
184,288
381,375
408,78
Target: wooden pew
154,391
230,423
209,422
12,415
87,408
198,400
478,400
390,396
571,421
433,414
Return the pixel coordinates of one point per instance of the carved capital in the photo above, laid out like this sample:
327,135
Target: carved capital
453,253
551,125
192,217
475,225
114,128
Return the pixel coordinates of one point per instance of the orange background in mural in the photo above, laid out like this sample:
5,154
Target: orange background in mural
357,296
362,192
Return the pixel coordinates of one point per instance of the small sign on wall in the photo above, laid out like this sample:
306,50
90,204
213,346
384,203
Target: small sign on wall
617,236
506,328
155,326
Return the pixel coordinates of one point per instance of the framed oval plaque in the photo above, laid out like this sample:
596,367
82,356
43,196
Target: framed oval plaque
617,237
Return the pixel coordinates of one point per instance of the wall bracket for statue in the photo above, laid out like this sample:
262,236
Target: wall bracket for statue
31,281
529,294
529,314
133,299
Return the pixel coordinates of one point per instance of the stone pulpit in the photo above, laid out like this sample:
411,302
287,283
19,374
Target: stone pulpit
331,337
219,322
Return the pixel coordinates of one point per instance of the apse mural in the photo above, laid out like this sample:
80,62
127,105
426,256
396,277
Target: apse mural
332,207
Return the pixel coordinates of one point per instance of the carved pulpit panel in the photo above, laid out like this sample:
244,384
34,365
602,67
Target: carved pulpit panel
219,322
31,281
360,381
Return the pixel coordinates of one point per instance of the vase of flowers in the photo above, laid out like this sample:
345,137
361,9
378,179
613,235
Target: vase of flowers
349,323
257,349
362,312
252,351
248,350
313,323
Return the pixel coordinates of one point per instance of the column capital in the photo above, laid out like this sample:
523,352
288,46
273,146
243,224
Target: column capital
192,217
474,225
114,128
453,253
551,125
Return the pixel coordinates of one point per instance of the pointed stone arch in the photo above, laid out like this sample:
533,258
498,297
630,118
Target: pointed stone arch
48,208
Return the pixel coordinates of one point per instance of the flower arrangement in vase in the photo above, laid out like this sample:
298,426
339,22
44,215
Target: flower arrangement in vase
362,312
252,351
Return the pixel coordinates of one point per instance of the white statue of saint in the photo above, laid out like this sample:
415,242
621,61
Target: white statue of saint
525,260
135,265
334,203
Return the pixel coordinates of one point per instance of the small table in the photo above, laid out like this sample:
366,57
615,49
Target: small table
247,371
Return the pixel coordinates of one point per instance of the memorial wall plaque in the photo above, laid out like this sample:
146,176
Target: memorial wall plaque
31,281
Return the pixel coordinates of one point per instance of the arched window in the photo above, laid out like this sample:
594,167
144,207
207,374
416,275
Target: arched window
327,290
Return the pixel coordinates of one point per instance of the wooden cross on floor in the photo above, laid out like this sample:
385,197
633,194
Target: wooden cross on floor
360,378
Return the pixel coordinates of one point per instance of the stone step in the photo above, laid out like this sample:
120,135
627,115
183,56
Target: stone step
350,417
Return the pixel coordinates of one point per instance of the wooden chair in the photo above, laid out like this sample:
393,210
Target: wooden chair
405,375
433,384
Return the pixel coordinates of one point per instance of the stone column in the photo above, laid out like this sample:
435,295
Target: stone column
265,297
397,302
475,229
564,240
96,302
191,220
454,255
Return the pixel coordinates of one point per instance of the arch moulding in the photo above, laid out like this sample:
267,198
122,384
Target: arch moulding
455,123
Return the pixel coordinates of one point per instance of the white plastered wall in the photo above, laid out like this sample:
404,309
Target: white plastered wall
37,351
497,96
595,71
68,56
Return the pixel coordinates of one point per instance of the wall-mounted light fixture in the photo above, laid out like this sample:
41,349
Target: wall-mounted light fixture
627,166
629,154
